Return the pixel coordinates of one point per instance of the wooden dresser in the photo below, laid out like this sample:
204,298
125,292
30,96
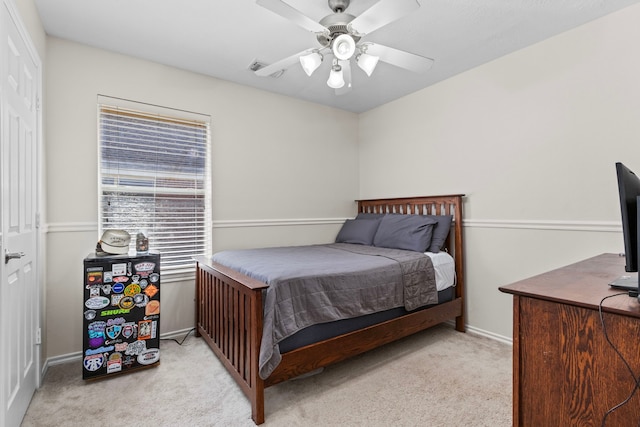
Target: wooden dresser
564,371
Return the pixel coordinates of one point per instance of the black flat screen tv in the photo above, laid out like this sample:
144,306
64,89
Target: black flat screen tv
629,191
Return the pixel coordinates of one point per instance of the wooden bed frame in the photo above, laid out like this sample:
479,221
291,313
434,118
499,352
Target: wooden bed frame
229,311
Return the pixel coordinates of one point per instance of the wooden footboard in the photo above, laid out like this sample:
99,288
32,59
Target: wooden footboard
229,311
229,318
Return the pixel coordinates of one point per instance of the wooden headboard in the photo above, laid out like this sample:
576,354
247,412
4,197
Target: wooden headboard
428,205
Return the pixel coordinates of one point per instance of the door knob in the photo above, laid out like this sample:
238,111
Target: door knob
12,255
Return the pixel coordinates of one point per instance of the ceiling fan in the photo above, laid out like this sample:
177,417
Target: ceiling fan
340,34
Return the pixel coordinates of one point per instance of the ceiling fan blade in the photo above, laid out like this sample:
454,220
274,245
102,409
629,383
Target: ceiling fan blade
346,75
381,14
281,64
400,58
283,9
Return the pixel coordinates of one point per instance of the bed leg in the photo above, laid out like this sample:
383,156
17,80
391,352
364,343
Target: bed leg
461,320
257,406
198,296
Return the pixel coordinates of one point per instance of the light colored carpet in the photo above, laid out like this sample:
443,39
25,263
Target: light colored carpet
438,377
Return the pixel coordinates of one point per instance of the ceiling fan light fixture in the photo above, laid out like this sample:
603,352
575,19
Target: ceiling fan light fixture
367,62
336,78
343,47
311,62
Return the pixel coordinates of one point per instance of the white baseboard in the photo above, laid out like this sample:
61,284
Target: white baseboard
483,333
487,334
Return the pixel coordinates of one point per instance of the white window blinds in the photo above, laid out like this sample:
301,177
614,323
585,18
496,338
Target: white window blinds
155,179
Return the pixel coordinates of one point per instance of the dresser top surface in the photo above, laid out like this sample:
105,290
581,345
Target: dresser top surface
583,284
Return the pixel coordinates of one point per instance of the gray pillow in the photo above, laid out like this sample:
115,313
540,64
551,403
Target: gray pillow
358,231
440,232
408,232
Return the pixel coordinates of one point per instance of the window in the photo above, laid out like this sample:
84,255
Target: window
154,178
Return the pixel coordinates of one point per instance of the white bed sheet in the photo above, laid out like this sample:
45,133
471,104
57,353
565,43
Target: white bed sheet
445,269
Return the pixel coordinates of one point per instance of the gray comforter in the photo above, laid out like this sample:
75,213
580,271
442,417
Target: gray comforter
322,283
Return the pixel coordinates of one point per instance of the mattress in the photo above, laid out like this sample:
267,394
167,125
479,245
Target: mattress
445,268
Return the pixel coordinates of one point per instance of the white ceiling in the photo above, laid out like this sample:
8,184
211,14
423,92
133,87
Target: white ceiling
222,38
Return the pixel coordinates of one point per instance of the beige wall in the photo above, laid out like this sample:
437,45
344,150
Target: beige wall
290,162
531,139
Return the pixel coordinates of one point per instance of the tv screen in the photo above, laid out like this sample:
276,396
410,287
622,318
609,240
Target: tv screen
629,189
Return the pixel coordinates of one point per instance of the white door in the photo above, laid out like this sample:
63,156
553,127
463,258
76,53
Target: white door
19,292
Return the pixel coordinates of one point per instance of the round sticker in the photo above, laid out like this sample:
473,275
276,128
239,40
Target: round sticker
117,288
126,303
132,289
94,362
149,356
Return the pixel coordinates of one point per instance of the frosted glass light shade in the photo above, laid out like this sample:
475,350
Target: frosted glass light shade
367,63
310,62
336,79
344,47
